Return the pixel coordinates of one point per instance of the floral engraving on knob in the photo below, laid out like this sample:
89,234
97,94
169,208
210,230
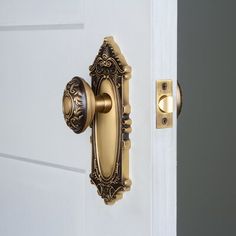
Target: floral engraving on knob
74,105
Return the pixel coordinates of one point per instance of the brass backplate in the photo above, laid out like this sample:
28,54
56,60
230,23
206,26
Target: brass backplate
164,104
110,74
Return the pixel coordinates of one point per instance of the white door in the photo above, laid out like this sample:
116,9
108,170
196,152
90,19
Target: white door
44,167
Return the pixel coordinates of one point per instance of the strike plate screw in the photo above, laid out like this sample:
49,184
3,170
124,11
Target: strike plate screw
164,86
164,121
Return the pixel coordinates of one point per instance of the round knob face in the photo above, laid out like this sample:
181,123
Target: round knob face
76,104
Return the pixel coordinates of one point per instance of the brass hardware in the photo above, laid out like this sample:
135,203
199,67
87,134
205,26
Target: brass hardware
164,116
179,99
80,104
165,103
105,107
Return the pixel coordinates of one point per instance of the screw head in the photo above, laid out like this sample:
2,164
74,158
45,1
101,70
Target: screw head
164,121
164,86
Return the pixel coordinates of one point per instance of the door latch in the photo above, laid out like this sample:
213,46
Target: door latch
165,103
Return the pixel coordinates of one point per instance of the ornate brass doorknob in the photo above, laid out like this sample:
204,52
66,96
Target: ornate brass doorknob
80,104
105,107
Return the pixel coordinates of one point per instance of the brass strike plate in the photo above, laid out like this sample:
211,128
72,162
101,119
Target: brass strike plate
164,104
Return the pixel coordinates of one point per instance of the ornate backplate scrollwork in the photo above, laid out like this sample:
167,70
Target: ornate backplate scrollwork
110,70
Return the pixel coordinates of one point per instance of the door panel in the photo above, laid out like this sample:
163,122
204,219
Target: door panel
37,62
36,66
15,14
40,200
